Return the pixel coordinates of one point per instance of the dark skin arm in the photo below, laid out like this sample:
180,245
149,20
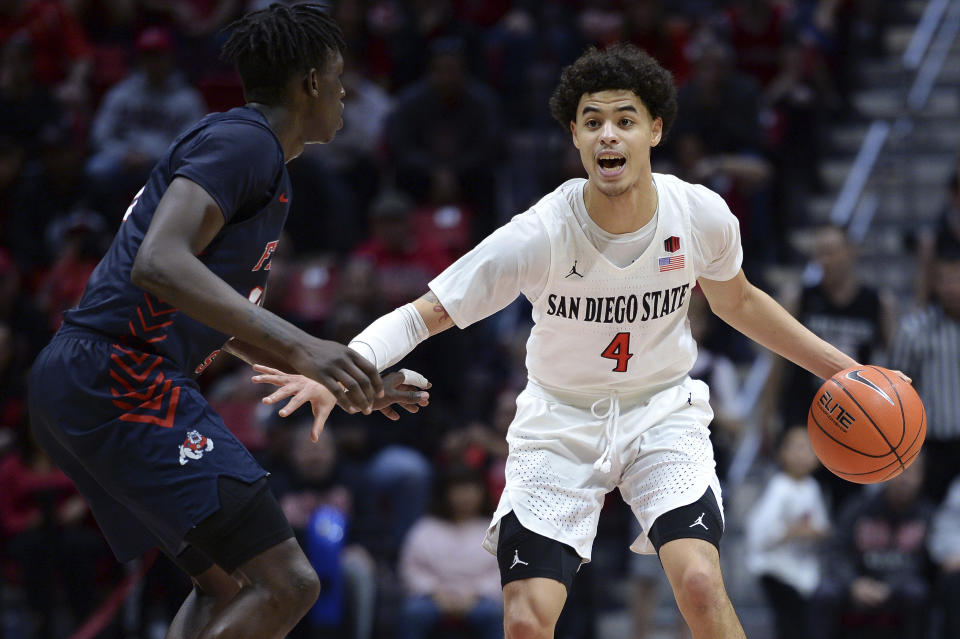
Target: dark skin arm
185,222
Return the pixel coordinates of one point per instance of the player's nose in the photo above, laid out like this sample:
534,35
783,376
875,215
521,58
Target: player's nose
608,133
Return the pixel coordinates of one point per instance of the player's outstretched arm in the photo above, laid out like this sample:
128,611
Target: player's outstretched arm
184,223
758,316
384,343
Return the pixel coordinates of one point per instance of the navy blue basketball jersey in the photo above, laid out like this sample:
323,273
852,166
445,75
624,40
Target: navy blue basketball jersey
238,160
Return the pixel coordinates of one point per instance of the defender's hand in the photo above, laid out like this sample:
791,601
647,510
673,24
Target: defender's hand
403,387
300,390
347,375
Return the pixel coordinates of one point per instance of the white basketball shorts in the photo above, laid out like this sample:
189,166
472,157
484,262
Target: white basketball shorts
567,451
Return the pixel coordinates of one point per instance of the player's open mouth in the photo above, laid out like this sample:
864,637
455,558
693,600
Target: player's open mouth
611,164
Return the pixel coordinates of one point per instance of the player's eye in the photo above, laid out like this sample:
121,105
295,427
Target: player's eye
591,124
625,122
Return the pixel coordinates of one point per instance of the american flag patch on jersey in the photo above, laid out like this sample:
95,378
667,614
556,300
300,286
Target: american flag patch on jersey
671,263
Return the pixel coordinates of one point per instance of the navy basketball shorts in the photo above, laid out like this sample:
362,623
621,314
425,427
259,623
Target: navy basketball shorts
137,438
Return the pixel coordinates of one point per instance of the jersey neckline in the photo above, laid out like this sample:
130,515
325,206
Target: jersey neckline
579,203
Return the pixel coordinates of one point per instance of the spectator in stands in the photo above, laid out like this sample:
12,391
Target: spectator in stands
353,157
13,386
444,135
46,529
648,25
62,54
719,373
877,571
945,551
945,229
80,240
858,318
310,480
405,261
784,529
759,31
439,590
137,121
927,348
26,107
484,445
717,142
50,187
18,308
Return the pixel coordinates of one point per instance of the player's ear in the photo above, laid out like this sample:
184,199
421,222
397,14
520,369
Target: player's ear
312,83
573,133
656,131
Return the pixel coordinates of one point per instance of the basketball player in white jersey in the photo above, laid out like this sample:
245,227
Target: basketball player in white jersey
608,263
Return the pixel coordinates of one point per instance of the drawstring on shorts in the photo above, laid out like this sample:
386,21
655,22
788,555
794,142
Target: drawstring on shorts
612,418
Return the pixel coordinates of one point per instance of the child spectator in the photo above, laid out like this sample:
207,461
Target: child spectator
783,531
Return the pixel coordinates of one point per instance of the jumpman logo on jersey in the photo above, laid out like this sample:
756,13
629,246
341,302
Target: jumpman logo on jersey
517,560
699,522
573,271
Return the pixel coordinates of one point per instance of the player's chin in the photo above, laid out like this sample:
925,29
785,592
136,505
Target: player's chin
610,188
324,138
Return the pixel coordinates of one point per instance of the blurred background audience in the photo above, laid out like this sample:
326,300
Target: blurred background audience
446,136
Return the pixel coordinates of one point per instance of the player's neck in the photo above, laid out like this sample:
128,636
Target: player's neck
624,213
284,127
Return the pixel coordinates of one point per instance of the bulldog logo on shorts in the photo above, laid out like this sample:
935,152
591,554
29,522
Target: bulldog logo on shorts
194,446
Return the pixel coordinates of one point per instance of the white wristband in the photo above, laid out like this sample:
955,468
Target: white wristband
390,338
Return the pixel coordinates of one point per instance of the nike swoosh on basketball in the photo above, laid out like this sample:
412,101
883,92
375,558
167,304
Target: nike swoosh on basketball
856,377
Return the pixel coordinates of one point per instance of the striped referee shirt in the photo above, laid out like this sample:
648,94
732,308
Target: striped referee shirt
927,348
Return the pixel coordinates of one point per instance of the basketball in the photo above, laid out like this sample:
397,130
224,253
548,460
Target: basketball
866,424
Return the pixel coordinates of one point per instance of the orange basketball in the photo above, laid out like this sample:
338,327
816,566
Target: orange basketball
866,424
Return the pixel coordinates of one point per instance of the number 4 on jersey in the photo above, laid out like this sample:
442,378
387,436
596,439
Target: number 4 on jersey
619,349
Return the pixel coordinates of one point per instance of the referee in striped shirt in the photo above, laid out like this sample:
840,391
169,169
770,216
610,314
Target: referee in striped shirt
927,347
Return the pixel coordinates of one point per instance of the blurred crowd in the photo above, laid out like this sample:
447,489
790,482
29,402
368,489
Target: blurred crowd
446,136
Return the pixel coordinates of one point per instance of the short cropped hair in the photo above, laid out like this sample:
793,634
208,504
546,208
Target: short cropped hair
272,45
619,67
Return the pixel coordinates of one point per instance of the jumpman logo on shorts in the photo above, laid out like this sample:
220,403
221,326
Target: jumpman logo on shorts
517,560
699,522
573,271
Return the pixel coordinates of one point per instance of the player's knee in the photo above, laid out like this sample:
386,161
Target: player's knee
522,622
301,587
525,628
700,589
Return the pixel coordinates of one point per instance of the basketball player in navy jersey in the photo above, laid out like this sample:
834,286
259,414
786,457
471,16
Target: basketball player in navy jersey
113,398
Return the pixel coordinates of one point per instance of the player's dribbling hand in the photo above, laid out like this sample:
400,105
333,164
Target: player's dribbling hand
347,375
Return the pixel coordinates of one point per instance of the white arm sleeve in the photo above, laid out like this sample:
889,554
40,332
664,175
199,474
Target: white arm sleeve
513,259
390,338
716,235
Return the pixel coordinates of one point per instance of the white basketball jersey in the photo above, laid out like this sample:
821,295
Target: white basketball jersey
600,327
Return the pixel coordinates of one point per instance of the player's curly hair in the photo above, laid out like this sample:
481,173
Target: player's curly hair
619,67
272,45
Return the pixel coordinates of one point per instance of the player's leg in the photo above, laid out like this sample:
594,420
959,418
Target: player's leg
281,586
536,573
212,589
674,492
531,608
693,568
250,540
